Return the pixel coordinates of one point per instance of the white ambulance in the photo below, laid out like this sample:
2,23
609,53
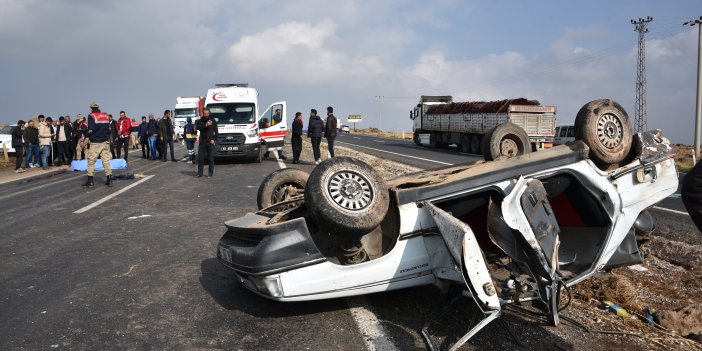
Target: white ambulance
234,107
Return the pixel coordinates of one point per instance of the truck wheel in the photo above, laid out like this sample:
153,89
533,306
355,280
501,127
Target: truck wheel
466,142
506,140
417,140
432,141
281,185
606,129
475,143
347,194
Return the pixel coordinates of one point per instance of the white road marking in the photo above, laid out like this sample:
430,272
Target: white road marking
142,216
111,196
374,335
671,211
281,164
398,154
379,141
357,138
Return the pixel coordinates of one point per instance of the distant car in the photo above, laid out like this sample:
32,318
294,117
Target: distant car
6,138
345,129
563,135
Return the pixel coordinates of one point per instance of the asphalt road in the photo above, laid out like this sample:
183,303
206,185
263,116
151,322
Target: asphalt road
138,272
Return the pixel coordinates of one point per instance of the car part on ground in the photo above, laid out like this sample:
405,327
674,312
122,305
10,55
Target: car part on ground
605,127
347,194
281,185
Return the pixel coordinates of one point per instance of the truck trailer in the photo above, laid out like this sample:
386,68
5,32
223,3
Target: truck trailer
508,128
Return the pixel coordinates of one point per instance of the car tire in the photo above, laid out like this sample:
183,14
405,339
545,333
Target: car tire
273,188
506,140
466,140
348,195
605,128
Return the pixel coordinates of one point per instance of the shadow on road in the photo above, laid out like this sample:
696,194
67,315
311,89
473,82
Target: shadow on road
224,287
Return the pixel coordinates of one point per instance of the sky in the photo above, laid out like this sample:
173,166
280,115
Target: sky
138,56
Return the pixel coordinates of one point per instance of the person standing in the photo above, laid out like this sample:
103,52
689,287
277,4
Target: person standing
166,135
207,143
18,145
124,132
100,134
152,133
45,137
113,135
64,133
81,134
691,194
135,134
142,134
315,130
70,143
189,135
296,137
275,119
31,142
330,130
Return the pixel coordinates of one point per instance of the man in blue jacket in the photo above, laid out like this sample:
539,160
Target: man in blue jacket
142,134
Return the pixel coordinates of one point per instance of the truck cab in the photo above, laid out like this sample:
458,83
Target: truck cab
186,106
241,134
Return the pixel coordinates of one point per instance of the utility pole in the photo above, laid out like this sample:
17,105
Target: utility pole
640,108
698,109
380,112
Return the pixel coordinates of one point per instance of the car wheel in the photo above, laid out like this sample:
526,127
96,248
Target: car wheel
348,195
606,129
507,140
465,143
281,185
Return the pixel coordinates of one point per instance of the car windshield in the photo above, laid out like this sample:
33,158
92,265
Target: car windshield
185,112
232,113
6,130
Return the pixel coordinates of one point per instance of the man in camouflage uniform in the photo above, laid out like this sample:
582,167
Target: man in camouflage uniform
99,135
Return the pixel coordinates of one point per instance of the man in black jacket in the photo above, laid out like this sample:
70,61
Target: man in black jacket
64,133
166,135
691,194
31,143
207,140
17,144
296,137
315,131
330,130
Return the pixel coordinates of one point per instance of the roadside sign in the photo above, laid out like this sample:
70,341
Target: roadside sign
354,119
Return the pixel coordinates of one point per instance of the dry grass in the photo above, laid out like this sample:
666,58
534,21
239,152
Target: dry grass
612,287
683,157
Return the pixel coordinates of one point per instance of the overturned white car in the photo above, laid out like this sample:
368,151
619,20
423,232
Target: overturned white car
509,230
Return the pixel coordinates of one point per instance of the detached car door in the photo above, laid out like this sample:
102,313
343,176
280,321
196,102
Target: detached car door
273,126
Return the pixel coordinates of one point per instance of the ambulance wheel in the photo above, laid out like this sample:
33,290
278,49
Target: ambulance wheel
606,129
348,195
281,185
506,140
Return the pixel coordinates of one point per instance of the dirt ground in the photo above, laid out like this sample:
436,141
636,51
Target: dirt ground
669,279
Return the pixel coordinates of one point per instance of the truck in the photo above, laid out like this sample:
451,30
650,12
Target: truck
234,106
508,128
186,106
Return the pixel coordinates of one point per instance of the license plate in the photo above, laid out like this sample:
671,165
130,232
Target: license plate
225,254
230,148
